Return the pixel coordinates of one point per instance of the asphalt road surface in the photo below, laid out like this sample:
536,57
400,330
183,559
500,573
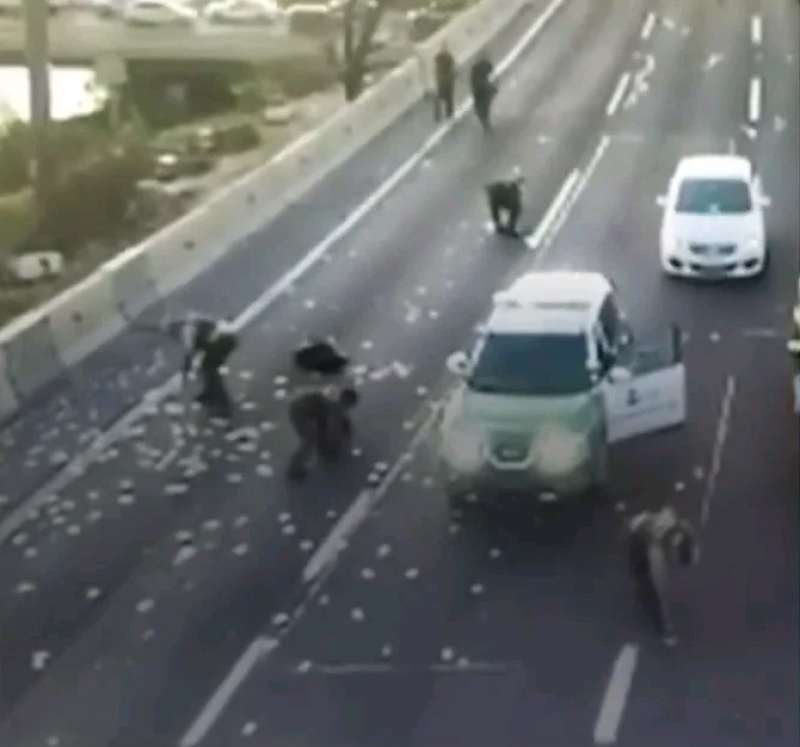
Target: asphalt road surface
178,591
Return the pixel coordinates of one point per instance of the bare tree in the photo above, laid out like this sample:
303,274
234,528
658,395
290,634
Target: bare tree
360,21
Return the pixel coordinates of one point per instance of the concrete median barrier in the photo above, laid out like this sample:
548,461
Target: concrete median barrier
133,285
8,400
32,359
183,249
84,317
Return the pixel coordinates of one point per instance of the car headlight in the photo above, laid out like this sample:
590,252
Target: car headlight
558,451
462,447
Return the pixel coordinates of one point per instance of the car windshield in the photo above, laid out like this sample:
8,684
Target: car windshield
710,196
533,365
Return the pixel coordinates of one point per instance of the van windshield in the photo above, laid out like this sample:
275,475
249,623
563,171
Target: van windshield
532,365
714,196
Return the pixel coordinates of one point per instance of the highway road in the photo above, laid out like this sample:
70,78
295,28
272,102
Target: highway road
177,591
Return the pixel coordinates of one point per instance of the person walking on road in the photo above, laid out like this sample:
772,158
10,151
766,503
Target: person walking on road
211,342
322,425
445,69
484,90
505,203
657,541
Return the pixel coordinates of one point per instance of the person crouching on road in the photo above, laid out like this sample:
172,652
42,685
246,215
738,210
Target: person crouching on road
211,342
505,199
656,542
323,426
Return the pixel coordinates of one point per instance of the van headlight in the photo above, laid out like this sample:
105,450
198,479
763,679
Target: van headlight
558,451
754,245
462,447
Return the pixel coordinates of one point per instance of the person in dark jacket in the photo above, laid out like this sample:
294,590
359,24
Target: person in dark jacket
505,199
483,90
656,542
323,426
212,342
320,357
445,69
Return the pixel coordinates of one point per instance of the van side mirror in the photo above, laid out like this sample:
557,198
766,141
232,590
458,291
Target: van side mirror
458,364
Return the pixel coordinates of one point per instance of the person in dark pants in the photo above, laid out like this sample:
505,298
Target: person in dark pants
323,427
212,342
657,541
445,67
505,198
483,90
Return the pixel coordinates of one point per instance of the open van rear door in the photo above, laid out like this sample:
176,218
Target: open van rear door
654,398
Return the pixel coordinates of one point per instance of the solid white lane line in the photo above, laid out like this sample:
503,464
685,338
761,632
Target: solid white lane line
575,194
334,543
766,333
720,439
328,551
616,97
649,25
756,30
117,430
754,100
259,648
535,240
616,696
370,668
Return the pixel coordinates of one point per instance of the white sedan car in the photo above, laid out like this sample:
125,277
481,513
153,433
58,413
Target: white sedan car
713,223
159,13
243,12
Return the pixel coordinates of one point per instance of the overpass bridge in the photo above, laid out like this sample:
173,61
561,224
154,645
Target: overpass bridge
76,42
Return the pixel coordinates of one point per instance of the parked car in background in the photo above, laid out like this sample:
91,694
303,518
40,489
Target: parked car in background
313,19
427,19
159,13
102,8
244,12
56,6
10,8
